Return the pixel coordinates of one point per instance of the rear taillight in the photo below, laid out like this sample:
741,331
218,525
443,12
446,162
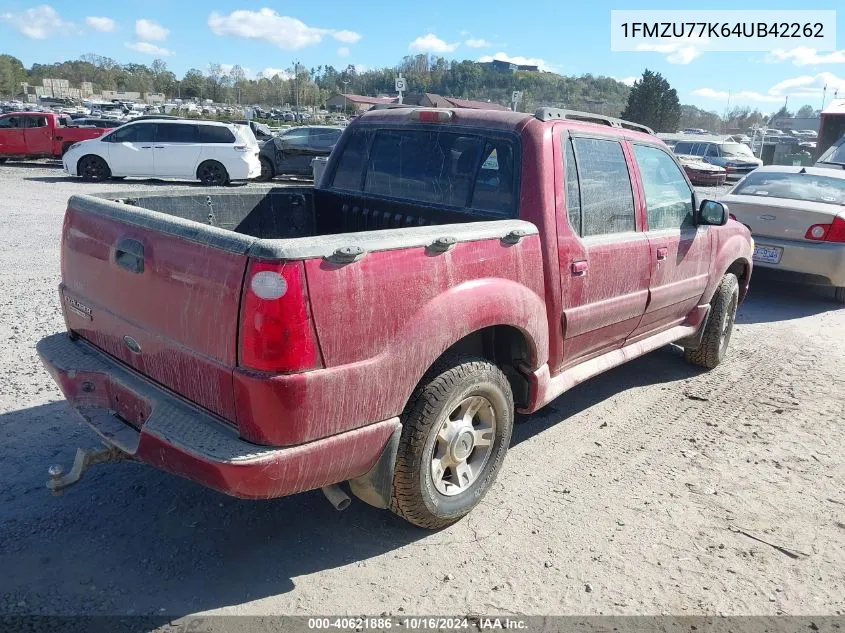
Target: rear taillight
276,332
834,232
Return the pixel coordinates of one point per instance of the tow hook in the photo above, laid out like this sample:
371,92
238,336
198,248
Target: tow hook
83,461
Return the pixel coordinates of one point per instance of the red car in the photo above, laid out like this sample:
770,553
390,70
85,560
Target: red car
701,173
39,135
452,268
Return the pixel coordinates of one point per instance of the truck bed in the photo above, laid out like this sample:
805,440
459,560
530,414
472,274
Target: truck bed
156,280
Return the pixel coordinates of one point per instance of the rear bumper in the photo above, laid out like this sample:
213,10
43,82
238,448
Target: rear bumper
154,426
820,261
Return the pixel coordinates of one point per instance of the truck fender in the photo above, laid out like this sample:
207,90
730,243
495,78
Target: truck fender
735,248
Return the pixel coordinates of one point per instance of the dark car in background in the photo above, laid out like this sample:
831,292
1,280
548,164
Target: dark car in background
291,152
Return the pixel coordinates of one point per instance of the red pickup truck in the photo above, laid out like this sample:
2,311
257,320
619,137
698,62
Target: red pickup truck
39,135
452,268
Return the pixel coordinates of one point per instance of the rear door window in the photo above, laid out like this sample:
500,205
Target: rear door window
214,134
683,148
176,133
323,138
607,200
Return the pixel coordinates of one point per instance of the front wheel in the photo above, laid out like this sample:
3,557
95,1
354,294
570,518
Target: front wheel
456,430
93,169
212,174
719,326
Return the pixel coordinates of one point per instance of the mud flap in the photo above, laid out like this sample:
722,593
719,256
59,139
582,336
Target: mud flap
693,342
375,487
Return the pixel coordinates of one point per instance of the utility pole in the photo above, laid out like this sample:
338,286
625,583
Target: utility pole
345,105
296,86
824,93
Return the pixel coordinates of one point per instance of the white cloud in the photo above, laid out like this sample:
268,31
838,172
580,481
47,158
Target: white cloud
150,31
104,25
628,81
519,60
803,56
360,68
283,31
478,43
39,22
343,51
347,37
430,43
804,86
269,73
149,49
681,51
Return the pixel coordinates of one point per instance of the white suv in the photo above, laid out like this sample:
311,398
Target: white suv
213,153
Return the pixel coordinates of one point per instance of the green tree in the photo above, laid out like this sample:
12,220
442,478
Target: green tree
653,102
805,112
192,84
12,73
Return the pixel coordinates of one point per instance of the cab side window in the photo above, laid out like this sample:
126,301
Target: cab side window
573,190
667,194
11,123
36,121
607,200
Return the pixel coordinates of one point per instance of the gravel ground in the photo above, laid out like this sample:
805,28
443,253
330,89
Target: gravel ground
622,497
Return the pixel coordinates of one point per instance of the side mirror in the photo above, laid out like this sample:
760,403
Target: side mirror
712,213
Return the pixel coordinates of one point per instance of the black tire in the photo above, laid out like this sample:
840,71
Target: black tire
439,397
212,174
839,294
719,326
267,171
65,148
3,160
118,177
93,169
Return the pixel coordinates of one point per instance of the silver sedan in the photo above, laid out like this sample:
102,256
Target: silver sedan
797,219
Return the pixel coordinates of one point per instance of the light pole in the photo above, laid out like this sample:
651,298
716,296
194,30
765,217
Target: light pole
296,86
345,83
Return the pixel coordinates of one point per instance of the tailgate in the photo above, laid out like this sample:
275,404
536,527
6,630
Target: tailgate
158,293
779,218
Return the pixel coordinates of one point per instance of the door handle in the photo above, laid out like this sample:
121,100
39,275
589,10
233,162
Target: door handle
662,253
159,147
146,146
129,255
579,268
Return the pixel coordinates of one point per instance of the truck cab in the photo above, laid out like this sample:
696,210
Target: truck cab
39,135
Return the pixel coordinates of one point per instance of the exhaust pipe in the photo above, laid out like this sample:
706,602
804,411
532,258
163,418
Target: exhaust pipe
339,499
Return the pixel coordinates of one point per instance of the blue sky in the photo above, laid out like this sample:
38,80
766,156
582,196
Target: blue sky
265,37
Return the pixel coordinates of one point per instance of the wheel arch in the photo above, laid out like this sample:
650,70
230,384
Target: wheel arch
740,267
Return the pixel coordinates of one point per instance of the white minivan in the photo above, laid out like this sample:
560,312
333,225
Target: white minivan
211,152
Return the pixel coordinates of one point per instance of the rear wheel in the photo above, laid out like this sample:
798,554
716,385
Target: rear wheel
212,174
93,169
266,170
719,326
455,432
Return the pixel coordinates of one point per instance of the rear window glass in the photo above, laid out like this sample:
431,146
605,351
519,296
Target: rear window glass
351,164
793,187
215,134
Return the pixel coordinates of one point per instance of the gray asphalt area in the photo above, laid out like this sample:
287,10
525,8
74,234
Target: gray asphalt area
655,488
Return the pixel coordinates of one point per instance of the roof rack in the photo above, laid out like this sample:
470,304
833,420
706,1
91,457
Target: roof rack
547,114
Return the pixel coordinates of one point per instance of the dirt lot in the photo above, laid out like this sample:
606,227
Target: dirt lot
621,497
